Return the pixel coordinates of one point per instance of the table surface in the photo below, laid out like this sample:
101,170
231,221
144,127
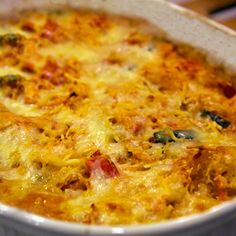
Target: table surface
204,6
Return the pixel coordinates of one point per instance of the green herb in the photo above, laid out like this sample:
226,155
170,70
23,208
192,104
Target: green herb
11,39
214,117
164,137
10,79
186,134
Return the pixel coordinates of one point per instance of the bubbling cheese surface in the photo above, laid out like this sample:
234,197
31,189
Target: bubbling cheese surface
104,122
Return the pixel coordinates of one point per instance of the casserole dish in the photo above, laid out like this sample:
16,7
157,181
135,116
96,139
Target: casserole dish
162,15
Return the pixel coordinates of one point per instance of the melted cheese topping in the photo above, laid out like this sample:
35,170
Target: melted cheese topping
83,97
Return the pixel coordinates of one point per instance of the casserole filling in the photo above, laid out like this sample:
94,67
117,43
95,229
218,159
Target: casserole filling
102,121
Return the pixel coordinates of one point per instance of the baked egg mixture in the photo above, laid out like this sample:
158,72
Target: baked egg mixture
103,121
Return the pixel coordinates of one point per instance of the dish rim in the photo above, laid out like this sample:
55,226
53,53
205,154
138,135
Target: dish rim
73,228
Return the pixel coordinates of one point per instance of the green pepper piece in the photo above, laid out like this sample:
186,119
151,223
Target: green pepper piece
214,117
162,137
11,39
186,134
10,79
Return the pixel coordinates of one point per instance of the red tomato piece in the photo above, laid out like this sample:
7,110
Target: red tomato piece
101,165
49,29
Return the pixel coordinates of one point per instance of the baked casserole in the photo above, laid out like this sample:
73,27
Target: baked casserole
104,121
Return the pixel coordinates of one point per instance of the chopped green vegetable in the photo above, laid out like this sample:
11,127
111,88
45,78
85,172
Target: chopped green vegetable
10,79
164,137
214,117
186,134
11,39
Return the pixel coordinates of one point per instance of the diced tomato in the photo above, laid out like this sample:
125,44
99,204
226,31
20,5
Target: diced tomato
28,26
188,65
52,72
101,165
137,127
49,69
49,29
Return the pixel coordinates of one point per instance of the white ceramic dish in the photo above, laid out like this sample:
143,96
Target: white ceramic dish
216,41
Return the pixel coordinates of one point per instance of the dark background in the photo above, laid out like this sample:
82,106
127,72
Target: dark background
223,11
